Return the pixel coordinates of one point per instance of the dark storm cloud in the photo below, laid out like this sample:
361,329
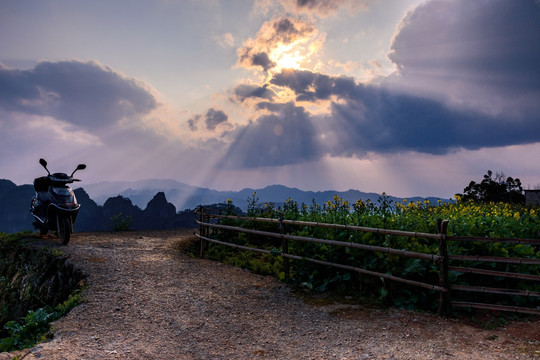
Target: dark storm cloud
245,91
381,121
85,94
286,136
366,119
371,118
310,86
482,53
498,38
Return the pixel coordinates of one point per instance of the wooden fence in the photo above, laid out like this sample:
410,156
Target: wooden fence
444,260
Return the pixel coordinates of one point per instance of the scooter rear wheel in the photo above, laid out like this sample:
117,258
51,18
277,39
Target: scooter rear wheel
65,230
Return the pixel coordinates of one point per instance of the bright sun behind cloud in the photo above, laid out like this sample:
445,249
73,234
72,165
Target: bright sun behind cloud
287,57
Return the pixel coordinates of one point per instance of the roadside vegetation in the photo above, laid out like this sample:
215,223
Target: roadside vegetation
36,327
479,217
21,273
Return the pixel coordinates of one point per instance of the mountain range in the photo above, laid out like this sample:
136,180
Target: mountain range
153,204
185,196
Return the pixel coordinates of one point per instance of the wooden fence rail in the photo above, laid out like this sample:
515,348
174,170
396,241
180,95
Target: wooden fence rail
495,273
327,263
443,258
351,244
331,226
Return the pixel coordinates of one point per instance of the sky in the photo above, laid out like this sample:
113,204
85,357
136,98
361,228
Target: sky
407,97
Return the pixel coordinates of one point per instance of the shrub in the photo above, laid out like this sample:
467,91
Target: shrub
121,222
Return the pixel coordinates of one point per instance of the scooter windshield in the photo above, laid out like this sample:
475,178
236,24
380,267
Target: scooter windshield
62,191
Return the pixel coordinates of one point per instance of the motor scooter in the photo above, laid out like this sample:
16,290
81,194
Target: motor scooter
54,206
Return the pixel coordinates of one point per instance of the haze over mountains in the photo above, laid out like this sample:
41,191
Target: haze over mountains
155,204
185,196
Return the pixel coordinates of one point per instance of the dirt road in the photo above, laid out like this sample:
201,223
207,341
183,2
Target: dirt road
147,300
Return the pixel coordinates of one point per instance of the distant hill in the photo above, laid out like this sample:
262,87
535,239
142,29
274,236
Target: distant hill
153,204
185,196
15,207
157,214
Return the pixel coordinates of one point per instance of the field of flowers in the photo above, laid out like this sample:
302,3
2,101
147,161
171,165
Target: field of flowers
494,220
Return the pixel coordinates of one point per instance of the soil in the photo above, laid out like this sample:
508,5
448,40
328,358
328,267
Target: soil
146,299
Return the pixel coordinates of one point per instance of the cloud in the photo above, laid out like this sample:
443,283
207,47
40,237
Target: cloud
283,31
468,77
368,118
192,123
324,8
311,86
212,119
215,118
286,136
247,91
251,59
381,121
85,94
225,40
319,8
71,112
483,54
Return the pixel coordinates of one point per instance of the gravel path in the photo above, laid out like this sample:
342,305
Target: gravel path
147,300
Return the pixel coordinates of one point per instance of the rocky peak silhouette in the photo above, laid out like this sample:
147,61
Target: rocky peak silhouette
158,214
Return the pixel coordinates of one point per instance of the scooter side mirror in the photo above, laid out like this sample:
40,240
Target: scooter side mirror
44,164
79,167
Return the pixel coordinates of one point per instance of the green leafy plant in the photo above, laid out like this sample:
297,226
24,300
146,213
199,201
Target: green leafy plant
36,324
121,222
27,332
56,253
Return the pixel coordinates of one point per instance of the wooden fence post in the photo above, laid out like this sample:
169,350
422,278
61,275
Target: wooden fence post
284,248
202,231
444,296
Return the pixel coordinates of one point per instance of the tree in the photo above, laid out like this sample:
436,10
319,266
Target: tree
496,188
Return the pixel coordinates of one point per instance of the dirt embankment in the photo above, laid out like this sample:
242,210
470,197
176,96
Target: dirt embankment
146,300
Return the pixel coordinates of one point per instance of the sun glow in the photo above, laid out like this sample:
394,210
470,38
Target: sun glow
289,61
287,57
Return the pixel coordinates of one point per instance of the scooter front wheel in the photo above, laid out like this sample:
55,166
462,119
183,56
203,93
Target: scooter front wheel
65,229
43,231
